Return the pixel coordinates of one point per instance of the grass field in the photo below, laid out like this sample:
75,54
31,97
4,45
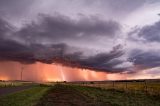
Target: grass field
119,98
75,95
28,97
119,93
151,87
13,83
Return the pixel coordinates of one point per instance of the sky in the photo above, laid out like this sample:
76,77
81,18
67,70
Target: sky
79,39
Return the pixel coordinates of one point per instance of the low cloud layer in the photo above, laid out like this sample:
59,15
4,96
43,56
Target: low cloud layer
61,28
143,59
26,45
150,33
94,41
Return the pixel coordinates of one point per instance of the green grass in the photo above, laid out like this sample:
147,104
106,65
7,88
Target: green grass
27,97
105,97
118,98
152,88
99,95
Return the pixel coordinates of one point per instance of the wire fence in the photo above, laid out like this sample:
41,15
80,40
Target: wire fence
147,87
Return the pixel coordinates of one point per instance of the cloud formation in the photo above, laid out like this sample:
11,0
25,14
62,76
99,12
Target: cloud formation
150,33
144,59
57,29
87,34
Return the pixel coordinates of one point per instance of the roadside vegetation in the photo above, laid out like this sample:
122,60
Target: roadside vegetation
13,83
28,97
76,95
117,93
148,87
119,98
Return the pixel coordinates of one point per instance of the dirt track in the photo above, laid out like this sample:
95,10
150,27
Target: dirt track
8,90
63,96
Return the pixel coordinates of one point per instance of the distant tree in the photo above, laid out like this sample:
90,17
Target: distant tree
91,82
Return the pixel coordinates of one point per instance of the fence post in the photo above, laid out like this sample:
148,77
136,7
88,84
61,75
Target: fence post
126,85
145,84
113,84
5,84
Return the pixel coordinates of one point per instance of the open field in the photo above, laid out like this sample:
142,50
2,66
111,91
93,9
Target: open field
151,87
75,95
14,83
112,93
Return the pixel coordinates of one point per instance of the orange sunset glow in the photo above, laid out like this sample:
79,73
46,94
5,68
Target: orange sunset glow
47,72
112,40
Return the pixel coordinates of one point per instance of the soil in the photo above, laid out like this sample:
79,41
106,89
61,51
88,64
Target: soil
65,96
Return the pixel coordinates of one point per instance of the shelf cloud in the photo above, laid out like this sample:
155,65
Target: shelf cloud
101,35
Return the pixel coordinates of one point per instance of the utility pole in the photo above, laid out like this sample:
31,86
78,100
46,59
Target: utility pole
22,73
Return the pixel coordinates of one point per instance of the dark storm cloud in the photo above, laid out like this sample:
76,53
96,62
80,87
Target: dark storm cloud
105,61
57,53
31,52
150,33
61,27
56,29
9,49
101,62
5,28
145,59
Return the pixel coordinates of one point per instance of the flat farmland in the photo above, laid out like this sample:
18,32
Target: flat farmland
14,83
105,93
145,86
112,93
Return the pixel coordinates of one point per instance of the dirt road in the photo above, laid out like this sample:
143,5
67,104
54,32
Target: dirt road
8,90
65,96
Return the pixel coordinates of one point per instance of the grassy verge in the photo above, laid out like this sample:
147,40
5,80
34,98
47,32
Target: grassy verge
151,88
118,98
27,97
13,84
67,94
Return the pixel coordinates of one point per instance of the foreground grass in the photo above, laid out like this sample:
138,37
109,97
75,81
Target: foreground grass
152,88
69,95
118,98
27,97
64,95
